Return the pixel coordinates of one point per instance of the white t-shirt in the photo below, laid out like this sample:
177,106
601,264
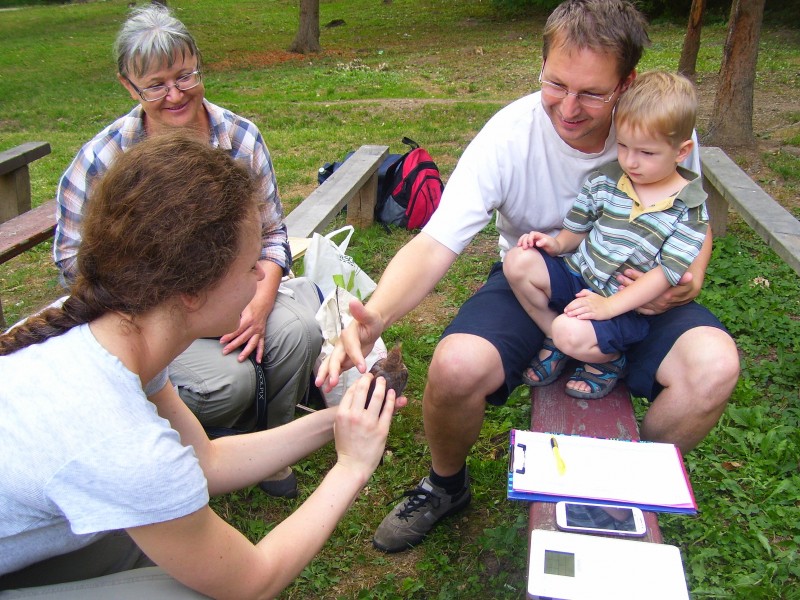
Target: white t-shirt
518,166
83,451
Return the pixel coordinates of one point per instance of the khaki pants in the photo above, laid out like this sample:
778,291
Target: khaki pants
221,391
111,567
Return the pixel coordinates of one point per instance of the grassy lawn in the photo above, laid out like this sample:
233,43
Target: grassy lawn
436,71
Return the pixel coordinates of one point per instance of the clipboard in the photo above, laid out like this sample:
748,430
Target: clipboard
650,476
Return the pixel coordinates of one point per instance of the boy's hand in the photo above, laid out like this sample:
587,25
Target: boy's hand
589,305
537,239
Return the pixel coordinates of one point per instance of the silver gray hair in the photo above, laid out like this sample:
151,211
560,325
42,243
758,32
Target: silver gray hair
150,37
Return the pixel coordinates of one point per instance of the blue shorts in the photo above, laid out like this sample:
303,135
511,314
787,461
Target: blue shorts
494,314
613,335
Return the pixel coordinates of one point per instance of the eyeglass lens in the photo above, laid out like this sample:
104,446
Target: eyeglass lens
184,83
558,92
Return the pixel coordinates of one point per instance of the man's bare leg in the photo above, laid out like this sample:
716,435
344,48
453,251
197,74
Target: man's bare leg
465,369
698,375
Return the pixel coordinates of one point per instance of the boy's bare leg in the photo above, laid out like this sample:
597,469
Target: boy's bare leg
529,279
698,375
577,338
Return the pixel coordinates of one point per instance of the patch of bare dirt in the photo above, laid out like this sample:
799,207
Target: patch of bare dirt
237,60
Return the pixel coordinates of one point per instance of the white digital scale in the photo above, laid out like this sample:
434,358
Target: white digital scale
575,566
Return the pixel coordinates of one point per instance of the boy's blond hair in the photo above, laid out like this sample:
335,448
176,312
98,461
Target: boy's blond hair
661,103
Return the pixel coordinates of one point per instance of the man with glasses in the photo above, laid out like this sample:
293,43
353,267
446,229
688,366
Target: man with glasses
252,377
528,164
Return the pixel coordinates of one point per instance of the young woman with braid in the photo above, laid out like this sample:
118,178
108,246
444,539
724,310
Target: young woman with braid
104,468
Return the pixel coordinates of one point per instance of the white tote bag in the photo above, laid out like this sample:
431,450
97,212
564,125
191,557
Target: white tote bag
328,265
333,316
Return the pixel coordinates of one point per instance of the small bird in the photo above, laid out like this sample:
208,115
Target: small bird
393,370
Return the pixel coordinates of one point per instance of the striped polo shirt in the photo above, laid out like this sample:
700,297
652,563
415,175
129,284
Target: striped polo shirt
623,234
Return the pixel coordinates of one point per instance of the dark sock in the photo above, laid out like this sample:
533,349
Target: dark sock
451,484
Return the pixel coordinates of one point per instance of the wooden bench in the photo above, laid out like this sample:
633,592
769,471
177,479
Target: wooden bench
354,185
728,186
21,227
15,180
552,411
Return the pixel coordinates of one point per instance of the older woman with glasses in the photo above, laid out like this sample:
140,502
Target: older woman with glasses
270,355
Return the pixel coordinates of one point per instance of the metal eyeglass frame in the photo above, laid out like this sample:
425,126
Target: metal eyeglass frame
595,101
167,88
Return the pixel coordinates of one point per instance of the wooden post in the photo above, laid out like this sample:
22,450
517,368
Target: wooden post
15,193
717,209
361,209
15,180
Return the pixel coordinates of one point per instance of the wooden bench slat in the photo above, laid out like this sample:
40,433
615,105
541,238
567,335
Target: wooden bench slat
727,184
552,411
325,202
20,156
27,230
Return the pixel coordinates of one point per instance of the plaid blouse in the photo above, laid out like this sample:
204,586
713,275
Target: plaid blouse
229,131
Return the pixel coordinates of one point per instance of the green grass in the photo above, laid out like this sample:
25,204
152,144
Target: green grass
436,71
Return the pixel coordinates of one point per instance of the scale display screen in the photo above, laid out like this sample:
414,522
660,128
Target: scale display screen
559,563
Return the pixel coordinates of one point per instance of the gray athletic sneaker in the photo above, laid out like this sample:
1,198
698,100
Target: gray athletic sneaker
412,519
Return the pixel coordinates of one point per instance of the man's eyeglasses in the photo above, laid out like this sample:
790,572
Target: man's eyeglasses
559,92
157,92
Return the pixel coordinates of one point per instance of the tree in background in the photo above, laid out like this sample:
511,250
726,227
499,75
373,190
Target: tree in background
732,119
691,43
307,39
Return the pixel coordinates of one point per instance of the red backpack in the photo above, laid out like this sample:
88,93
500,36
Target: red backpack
410,190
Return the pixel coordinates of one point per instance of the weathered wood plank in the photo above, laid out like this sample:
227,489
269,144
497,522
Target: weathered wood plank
727,185
15,182
27,230
19,156
354,185
552,411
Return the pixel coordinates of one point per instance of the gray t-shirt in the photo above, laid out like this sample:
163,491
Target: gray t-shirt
82,451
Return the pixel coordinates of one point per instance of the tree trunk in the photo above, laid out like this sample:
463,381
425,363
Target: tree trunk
732,120
691,43
307,39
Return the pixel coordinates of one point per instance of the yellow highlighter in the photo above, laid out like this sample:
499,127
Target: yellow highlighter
562,468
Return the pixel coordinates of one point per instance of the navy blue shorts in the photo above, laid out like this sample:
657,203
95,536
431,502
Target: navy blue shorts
613,335
494,314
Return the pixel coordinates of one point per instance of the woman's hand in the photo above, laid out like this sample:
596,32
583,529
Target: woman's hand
249,336
360,432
